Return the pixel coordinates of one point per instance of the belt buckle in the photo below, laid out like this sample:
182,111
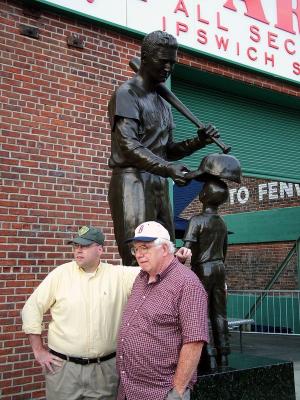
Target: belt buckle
98,360
86,360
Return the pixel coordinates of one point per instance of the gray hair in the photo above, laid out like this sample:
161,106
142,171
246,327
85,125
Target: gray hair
165,241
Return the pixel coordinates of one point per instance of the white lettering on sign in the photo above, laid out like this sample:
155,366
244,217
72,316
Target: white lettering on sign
262,190
241,195
266,191
273,194
286,189
260,34
276,190
232,192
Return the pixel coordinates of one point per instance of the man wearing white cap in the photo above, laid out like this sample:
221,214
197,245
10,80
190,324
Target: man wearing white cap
164,325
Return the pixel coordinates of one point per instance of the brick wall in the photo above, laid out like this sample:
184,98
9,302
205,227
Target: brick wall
54,148
253,266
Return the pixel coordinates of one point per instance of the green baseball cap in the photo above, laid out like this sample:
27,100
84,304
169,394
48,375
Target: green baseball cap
88,235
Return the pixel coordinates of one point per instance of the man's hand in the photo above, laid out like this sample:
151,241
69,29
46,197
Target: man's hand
177,173
47,360
189,357
183,254
42,356
205,134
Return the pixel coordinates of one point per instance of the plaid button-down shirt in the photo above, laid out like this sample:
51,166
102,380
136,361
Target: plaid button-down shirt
159,318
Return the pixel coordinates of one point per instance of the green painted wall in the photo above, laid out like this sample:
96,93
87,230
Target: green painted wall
263,128
279,224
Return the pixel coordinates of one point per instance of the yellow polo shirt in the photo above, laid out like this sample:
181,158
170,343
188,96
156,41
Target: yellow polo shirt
85,308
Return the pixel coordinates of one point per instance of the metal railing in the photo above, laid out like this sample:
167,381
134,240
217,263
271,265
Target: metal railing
273,311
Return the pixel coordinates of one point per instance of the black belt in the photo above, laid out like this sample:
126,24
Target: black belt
82,360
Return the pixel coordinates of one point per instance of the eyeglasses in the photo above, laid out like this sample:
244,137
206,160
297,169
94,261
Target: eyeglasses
141,249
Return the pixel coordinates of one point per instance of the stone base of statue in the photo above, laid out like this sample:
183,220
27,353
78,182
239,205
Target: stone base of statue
248,378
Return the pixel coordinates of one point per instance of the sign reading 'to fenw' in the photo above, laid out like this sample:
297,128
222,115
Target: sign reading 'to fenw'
260,34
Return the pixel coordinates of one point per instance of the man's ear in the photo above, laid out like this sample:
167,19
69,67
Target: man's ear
165,247
100,249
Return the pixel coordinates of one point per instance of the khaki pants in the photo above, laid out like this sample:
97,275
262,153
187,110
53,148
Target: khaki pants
74,381
174,395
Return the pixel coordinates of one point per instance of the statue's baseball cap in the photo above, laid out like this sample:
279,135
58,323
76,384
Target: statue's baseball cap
149,231
88,235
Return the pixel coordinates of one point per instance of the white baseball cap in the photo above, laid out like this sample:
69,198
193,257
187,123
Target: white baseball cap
149,231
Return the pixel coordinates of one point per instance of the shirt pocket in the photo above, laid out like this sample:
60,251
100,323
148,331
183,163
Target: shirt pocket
160,313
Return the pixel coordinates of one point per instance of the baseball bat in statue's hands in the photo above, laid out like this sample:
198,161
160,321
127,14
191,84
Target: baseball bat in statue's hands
170,97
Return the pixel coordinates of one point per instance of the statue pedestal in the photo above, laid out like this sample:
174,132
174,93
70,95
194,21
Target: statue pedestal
248,378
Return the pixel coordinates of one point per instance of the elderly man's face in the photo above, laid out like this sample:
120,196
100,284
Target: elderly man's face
150,256
159,65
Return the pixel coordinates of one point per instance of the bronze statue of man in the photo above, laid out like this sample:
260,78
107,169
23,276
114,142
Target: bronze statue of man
142,147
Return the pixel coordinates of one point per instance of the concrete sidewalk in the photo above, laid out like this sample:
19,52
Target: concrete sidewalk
282,347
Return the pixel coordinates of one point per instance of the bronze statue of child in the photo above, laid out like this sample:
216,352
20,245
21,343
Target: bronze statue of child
206,236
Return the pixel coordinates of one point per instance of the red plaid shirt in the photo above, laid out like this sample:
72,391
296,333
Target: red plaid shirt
159,318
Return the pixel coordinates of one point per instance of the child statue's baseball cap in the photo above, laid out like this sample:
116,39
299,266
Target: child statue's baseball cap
149,231
88,235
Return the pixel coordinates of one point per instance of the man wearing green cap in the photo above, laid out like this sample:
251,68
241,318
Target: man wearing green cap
85,298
